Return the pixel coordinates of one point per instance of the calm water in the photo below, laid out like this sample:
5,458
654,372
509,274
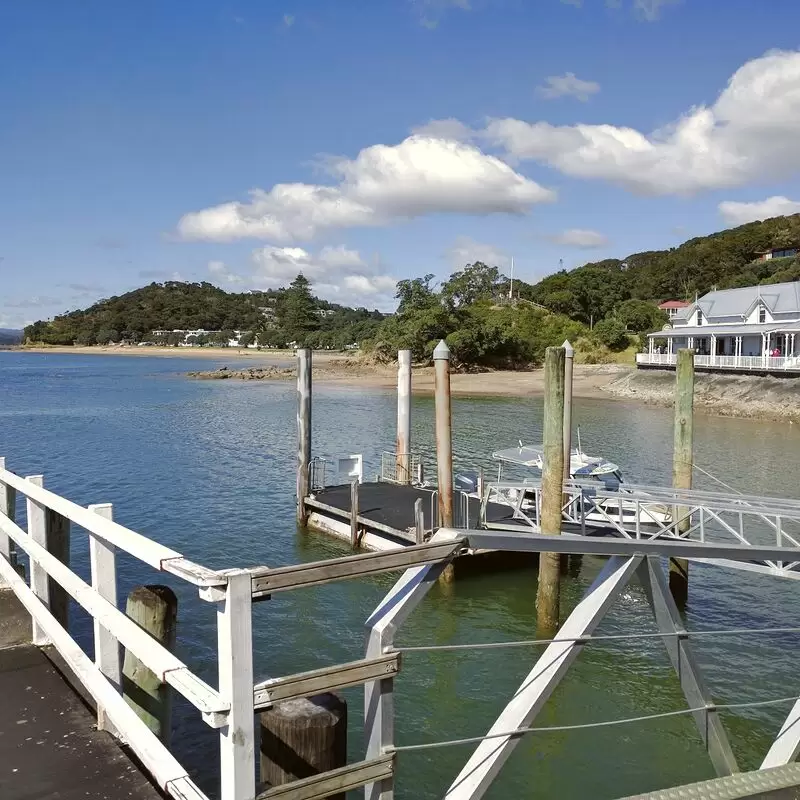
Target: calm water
207,468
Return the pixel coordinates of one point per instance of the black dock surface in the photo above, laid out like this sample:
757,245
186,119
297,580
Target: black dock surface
392,505
49,746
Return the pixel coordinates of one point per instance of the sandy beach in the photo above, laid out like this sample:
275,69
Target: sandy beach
346,369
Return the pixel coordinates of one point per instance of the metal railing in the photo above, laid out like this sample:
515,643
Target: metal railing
402,468
756,363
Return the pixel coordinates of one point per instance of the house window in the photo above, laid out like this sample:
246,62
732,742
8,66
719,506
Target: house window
699,317
762,315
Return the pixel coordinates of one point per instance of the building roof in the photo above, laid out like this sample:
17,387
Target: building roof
667,304
727,330
779,298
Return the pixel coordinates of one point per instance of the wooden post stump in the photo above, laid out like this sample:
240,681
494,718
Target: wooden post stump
154,608
303,737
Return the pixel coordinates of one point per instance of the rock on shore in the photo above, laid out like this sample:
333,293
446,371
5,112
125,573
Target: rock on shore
250,374
730,395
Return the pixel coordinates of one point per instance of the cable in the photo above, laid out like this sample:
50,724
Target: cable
587,639
588,725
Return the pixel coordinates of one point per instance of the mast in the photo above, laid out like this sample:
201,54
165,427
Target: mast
511,286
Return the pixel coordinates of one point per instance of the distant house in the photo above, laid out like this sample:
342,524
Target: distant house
778,252
753,328
673,307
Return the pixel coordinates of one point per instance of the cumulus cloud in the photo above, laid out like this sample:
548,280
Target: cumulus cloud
449,128
467,251
221,272
578,237
338,274
567,86
739,213
748,134
382,184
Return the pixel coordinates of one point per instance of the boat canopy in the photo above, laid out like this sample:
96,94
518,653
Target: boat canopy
581,465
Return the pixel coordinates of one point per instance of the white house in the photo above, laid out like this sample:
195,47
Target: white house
755,327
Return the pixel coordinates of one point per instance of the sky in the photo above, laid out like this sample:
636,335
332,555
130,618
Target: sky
243,141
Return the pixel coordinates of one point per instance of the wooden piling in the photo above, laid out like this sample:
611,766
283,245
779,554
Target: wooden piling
682,465
303,430
303,737
404,416
547,593
444,434
155,609
354,513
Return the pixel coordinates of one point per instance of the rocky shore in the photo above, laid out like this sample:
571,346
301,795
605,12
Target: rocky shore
249,374
753,396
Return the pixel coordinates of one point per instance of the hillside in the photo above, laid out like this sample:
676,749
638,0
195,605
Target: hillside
277,317
10,336
724,259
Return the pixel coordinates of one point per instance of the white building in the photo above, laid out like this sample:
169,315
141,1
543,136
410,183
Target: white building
752,328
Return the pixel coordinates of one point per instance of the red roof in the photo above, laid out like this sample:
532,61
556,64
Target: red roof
673,304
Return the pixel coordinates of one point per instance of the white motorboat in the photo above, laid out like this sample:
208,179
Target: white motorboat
594,474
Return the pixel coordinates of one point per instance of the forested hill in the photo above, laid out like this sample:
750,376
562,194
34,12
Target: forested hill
279,316
725,259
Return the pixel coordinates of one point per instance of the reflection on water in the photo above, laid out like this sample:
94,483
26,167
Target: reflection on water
207,468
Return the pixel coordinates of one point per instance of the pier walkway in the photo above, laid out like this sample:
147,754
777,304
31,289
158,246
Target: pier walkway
49,743
230,707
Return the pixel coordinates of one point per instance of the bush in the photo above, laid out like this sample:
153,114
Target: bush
611,333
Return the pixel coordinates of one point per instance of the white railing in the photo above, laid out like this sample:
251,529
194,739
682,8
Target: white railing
768,363
400,467
48,522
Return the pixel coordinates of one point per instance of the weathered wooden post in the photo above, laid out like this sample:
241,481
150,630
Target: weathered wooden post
404,416
8,505
444,434
52,531
303,430
682,461
354,513
303,737
155,609
547,592
569,358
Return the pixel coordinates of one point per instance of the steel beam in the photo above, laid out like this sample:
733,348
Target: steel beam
668,619
490,755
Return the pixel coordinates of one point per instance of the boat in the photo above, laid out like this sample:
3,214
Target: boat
591,472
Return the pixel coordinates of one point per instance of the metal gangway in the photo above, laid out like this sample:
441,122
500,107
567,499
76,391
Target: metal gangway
230,706
637,511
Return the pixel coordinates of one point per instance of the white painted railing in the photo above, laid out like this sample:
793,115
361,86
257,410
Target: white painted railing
48,514
760,363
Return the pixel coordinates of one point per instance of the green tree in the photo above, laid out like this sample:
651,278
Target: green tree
296,311
475,282
611,333
639,315
246,339
415,294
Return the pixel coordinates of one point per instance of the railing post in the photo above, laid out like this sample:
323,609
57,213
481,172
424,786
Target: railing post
548,589
404,416
444,433
569,358
103,562
303,430
51,531
682,466
419,521
235,646
8,505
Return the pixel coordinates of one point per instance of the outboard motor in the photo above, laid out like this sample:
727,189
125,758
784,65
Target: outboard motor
466,482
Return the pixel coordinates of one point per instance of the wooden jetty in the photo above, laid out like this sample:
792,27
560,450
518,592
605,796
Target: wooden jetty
715,529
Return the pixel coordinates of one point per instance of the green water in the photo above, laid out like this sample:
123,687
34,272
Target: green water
207,468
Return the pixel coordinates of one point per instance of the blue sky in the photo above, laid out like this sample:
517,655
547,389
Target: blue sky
384,139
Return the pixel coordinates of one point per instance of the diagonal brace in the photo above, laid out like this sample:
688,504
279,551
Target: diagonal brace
676,642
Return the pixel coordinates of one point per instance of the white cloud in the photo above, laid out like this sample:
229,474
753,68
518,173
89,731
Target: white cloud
578,237
749,134
288,20
467,251
568,86
449,128
221,272
650,10
338,274
739,213
429,12
383,184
